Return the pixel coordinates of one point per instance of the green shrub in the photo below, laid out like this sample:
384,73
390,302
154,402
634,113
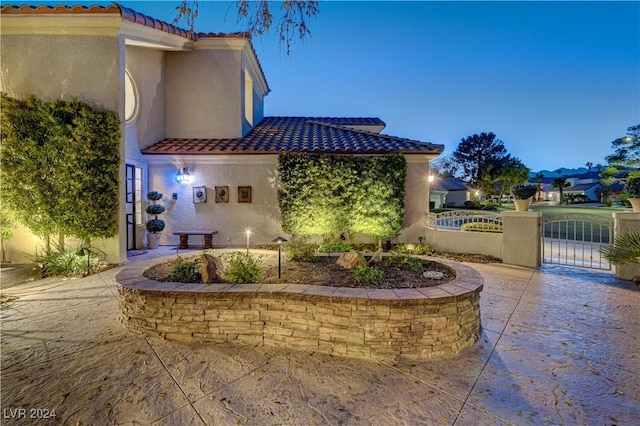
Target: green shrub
301,250
67,262
418,249
481,227
186,271
472,205
363,273
332,247
330,194
406,262
240,268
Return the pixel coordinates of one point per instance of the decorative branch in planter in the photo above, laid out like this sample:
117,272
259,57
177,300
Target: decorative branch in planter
155,225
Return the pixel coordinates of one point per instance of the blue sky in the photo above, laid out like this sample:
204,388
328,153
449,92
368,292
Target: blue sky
556,81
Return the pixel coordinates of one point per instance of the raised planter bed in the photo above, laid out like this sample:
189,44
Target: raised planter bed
374,324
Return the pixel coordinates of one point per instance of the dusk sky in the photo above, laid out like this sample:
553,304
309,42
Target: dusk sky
556,81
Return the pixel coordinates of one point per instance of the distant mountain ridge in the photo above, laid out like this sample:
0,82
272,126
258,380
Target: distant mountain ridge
565,172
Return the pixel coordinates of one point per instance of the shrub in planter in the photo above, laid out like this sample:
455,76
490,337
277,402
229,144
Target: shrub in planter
333,247
523,192
186,271
363,273
301,250
632,187
240,268
481,227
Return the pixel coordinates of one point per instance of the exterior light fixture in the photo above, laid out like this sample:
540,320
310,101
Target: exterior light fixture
279,240
248,233
431,178
183,175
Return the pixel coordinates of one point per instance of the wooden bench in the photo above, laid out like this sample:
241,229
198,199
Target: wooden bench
184,237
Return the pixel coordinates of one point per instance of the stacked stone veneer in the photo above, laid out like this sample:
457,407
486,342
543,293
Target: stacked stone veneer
383,325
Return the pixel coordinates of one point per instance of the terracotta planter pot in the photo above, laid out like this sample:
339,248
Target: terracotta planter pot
635,203
154,240
522,205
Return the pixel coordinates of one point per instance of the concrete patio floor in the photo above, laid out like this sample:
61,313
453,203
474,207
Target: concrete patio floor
559,346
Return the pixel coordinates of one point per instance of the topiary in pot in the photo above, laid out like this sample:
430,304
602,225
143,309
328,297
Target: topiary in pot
155,225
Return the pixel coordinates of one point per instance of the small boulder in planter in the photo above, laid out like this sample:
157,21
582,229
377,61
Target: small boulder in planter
155,225
350,260
523,194
632,189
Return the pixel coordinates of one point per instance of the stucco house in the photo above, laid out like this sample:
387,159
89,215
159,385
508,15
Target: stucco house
448,192
188,103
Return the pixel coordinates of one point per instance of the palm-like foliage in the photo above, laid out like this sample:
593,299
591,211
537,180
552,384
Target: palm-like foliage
624,249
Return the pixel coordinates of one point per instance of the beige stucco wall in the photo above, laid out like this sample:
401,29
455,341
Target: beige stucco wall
146,67
521,242
465,242
203,94
262,214
230,219
61,67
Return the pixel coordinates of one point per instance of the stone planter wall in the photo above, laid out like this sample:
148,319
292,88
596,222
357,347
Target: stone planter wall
381,325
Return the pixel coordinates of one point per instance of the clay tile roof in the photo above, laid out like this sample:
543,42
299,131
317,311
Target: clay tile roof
274,135
126,14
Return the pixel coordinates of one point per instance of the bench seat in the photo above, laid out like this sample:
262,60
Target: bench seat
184,237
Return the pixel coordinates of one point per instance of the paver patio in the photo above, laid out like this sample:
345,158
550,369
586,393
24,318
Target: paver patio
559,346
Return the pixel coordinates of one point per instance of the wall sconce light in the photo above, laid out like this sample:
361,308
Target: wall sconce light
183,175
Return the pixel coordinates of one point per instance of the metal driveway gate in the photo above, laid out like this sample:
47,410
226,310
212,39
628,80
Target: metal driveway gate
575,240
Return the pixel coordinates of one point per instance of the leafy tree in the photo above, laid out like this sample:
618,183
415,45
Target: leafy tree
560,183
478,155
445,166
627,151
293,19
512,171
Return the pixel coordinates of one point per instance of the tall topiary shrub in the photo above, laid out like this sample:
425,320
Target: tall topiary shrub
329,194
60,165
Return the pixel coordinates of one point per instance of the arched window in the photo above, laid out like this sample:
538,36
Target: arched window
130,98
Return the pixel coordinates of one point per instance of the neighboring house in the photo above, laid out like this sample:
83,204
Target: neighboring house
193,101
586,184
448,192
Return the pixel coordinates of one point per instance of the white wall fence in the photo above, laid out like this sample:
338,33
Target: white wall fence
520,242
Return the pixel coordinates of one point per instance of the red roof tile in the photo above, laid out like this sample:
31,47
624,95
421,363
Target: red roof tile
126,14
274,135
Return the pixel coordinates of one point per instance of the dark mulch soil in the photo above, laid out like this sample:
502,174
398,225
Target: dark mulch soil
326,272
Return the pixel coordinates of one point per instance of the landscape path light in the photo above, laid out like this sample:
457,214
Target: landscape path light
248,233
279,240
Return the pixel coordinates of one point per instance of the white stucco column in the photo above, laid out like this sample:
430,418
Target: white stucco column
521,238
625,222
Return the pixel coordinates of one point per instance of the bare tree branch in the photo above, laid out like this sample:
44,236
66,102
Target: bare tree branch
292,18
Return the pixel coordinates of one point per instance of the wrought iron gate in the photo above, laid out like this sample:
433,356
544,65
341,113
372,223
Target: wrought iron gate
575,240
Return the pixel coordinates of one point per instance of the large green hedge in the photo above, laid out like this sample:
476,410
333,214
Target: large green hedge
332,194
60,165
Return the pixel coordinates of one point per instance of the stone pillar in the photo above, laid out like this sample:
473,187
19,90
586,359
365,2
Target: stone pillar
521,238
626,222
